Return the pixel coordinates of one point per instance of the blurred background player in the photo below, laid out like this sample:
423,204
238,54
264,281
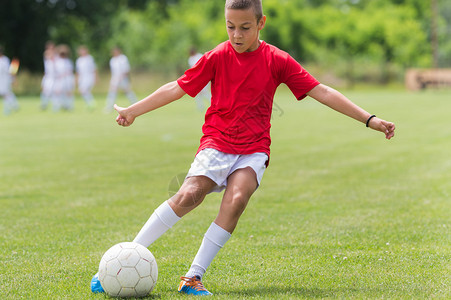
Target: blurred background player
120,69
204,95
6,79
64,84
86,75
48,79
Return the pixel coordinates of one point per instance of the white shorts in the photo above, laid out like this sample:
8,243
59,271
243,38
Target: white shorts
218,166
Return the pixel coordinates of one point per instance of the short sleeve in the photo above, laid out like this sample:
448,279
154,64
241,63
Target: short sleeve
298,80
197,77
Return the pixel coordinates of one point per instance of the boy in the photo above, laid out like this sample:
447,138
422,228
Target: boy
64,80
48,80
6,79
86,75
120,69
234,148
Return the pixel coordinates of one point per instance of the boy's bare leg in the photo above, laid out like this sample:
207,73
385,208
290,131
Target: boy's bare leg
241,184
191,194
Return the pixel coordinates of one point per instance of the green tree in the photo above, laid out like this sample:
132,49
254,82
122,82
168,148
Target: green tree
23,31
162,42
26,25
376,35
157,34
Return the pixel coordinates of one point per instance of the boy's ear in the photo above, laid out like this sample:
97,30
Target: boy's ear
261,23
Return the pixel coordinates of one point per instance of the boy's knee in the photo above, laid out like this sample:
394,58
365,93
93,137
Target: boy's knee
239,201
191,194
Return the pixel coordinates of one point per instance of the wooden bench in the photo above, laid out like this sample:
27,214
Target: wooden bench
419,79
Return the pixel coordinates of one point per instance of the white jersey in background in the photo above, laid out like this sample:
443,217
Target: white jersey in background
5,86
62,96
120,68
48,80
5,77
86,71
204,95
49,76
193,59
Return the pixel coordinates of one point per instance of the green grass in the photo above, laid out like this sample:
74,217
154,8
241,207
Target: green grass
341,213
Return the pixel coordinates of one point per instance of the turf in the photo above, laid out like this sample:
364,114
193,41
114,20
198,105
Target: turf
341,212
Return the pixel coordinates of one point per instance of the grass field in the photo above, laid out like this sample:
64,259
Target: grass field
341,213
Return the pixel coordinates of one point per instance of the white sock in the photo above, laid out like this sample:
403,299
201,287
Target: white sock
162,219
214,239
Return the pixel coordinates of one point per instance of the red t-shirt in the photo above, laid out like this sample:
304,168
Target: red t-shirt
242,92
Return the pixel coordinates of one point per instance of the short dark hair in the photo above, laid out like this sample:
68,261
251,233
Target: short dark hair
256,5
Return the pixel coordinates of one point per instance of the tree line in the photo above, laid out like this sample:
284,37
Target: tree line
385,36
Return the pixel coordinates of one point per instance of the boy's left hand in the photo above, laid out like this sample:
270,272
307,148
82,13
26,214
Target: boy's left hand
388,128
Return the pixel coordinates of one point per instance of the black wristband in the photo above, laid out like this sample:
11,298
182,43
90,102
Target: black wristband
369,119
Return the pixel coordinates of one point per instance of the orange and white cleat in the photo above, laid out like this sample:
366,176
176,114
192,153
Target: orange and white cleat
193,286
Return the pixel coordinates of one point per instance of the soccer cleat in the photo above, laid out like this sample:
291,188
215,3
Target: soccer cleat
193,286
96,287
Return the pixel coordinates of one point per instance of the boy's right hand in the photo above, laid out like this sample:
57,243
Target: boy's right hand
124,118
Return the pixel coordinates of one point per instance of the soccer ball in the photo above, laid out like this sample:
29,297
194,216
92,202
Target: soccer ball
128,270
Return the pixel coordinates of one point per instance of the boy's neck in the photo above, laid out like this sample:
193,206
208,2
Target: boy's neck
259,42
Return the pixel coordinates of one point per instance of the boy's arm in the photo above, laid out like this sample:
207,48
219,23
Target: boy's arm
337,101
164,95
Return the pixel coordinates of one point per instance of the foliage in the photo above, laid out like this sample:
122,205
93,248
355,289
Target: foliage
157,34
374,34
163,42
23,30
326,34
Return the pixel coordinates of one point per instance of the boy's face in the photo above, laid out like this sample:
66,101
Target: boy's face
243,29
